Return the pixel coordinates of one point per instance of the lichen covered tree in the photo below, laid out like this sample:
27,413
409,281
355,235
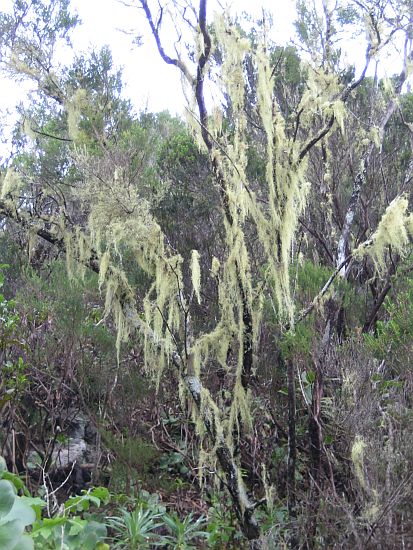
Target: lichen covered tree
109,219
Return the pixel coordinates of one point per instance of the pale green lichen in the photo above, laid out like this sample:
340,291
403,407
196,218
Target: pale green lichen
268,488
373,509
394,230
17,64
340,112
12,184
357,457
74,107
196,274
240,419
103,267
28,130
376,136
215,265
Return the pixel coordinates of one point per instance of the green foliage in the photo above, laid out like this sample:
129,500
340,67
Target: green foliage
72,310
14,376
148,525
184,534
276,526
222,526
64,530
16,514
56,296
142,498
310,278
298,341
82,502
13,380
177,153
71,533
35,28
9,317
71,528
134,458
393,337
173,462
135,529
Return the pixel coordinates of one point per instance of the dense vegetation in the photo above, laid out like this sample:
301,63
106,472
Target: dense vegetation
206,325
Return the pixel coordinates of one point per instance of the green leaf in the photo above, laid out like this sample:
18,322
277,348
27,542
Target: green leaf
10,534
25,543
53,522
7,497
3,466
22,512
44,532
36,503
102,493
94,500
17,482
93,533
310,377
75,528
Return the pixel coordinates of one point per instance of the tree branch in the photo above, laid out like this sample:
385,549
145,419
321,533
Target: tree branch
169,60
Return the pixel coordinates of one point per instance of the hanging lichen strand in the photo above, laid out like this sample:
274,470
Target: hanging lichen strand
275,209
395,230
274,212
229,154
125,223
11,184
287,186
120,227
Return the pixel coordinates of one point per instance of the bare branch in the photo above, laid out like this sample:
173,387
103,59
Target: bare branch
169,60
313,141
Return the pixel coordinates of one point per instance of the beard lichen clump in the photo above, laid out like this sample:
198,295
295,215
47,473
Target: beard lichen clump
196,274
74,107
395,230
287,187
357,457
11,185
121,231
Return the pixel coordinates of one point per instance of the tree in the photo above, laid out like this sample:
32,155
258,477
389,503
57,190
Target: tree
107,218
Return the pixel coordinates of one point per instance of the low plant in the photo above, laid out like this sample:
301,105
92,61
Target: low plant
222,525
16,513
135,529
22,526
184,534
70,528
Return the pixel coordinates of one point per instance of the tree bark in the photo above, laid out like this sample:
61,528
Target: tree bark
292,455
